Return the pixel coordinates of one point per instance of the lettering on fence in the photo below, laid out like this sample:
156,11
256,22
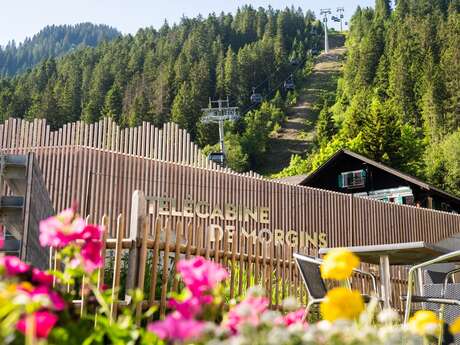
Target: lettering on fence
167,206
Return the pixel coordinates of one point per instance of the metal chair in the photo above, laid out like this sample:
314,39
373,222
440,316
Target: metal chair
442,300
314,283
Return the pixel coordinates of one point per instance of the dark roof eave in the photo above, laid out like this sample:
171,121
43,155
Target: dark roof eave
381,166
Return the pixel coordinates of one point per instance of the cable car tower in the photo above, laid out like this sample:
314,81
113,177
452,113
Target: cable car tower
340,11
325,12
223,112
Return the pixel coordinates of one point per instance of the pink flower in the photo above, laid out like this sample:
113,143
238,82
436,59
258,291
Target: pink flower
91,233
48,297
60,230
294,317
91,254
13,265
41,278
188,308
44,323
201,275
247,311
175,327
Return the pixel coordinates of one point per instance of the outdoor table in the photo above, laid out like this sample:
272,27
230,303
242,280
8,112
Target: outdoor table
384,255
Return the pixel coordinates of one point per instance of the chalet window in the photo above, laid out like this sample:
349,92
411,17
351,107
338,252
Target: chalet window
352,179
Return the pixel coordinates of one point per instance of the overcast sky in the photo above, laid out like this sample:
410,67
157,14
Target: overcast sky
23,18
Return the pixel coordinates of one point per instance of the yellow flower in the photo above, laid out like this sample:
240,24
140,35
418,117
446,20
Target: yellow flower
342,304
338,264
425,322
454,328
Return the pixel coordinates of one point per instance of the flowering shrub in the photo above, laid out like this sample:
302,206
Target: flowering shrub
36,306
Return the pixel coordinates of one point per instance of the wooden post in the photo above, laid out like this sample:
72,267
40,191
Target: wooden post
429,202
138,216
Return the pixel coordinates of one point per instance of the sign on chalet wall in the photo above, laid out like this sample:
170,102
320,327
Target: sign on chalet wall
219,217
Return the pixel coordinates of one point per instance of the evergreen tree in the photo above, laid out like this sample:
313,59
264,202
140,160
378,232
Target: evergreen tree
325,127
382,9
280,41
230,75
381,132
113,103
183,107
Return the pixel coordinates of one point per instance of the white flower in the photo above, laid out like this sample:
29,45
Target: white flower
244,310
210,327
324,326
390,335
296,328
270,317
342,324
214,342
221,331
277,336
21,299
256,291
237,340
290,304
309,337
388,316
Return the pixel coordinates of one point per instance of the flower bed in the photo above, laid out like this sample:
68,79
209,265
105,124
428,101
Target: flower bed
36,307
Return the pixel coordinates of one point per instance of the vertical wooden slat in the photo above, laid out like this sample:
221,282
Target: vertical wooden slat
142,266
165,273
117,267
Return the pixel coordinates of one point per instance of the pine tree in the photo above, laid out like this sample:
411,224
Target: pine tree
113,103
325,127
382,9
450,69
220,75
280,40
183,107
230,75
381,132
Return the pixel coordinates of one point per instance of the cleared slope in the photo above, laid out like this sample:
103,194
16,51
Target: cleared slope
297,133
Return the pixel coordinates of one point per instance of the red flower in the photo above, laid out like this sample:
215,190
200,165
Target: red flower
45,295
188,308
13,265
44,323
91,254
294,317
60,230
41,278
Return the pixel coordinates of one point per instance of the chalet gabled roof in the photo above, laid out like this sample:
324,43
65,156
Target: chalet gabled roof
295,180
410,179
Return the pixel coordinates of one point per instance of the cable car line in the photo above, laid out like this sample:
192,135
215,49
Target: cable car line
272,90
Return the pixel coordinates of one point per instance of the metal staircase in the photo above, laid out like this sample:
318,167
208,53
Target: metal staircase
24,201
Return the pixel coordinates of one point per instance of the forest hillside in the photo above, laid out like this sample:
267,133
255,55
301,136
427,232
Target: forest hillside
398,101
169,74
52,41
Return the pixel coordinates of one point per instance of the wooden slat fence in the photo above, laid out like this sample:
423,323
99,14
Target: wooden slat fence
101,175
170,143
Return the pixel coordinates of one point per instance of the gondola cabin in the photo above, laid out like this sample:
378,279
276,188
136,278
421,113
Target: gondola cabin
217,157
256,98
289,84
